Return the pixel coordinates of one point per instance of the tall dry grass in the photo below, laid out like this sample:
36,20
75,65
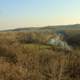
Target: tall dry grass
20,61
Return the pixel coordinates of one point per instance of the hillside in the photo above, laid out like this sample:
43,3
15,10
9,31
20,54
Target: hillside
48,28
72,31
20,60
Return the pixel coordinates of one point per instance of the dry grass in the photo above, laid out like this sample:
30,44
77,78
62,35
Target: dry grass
20,61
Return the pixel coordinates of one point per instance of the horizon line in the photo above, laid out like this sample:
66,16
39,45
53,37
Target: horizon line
10,28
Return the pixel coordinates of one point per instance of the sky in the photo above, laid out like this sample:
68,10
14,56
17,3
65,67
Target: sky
35,13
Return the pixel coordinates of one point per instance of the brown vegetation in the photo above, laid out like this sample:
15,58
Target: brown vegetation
20,60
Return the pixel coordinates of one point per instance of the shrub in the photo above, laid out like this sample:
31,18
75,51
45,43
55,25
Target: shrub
9,56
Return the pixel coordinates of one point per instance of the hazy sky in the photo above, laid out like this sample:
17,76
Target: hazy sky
25,13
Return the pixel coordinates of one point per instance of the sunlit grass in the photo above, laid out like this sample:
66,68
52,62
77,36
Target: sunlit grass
35,61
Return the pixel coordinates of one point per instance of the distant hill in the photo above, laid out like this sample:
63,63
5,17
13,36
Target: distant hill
48,28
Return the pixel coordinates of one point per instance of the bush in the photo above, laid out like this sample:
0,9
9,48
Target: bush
9,56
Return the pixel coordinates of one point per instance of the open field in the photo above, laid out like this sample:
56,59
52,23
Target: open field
21,60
